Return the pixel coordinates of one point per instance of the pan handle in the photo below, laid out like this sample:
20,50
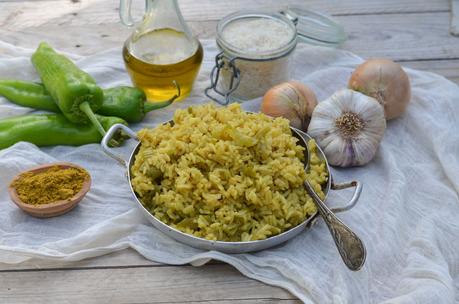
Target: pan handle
355,196
110,133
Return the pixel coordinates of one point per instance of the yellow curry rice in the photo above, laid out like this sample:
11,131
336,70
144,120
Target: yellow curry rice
223,174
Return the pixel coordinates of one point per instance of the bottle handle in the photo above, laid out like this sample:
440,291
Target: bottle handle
125,13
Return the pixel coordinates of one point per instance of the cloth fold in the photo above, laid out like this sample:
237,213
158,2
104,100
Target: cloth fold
407,215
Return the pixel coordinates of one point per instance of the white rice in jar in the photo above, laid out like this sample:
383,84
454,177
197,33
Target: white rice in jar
262,44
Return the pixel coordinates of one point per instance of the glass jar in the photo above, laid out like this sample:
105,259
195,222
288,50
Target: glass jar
257,47
255,54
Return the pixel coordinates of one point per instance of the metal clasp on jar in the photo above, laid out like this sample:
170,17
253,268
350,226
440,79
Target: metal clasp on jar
221,60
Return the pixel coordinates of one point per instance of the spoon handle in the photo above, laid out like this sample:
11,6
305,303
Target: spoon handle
350,246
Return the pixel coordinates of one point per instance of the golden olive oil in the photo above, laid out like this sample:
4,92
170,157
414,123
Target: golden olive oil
156,58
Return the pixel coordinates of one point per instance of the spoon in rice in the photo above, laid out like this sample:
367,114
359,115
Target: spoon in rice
350,246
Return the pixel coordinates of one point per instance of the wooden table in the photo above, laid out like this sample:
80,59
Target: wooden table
413,32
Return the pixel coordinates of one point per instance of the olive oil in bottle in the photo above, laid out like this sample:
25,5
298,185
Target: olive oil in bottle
157,58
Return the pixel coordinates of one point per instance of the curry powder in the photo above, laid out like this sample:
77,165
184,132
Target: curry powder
53,184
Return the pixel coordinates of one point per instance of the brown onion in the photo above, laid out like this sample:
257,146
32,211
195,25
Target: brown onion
385,81
292,100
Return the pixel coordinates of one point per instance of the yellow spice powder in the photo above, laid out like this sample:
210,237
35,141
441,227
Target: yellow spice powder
53,184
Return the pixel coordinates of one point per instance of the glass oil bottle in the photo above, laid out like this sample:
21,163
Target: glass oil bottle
161,51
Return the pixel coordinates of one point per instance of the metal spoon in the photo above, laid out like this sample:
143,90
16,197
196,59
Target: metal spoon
350,246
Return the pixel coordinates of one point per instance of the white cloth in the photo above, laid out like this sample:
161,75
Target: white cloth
408,214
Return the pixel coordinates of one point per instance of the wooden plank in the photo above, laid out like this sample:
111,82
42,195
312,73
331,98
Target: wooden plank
135,285
245,301
407,37
219,9
127,258
446,68
26,14
2,1
454,18
86,39
401,36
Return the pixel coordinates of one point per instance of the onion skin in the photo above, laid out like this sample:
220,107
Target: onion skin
291,100
385,81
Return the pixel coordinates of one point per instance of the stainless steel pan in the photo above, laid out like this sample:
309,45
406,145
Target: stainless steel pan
230,247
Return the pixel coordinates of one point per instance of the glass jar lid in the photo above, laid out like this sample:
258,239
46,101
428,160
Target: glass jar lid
256,35
315,28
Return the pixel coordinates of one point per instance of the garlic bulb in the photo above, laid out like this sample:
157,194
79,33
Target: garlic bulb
348,127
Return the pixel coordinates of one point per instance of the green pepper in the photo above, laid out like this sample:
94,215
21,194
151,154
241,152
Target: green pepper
125,102
74,91
52,129
129,103
28,94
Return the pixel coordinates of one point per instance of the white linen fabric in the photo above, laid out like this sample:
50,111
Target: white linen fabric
408,214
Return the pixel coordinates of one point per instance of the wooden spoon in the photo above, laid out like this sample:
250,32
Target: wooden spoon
54,208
